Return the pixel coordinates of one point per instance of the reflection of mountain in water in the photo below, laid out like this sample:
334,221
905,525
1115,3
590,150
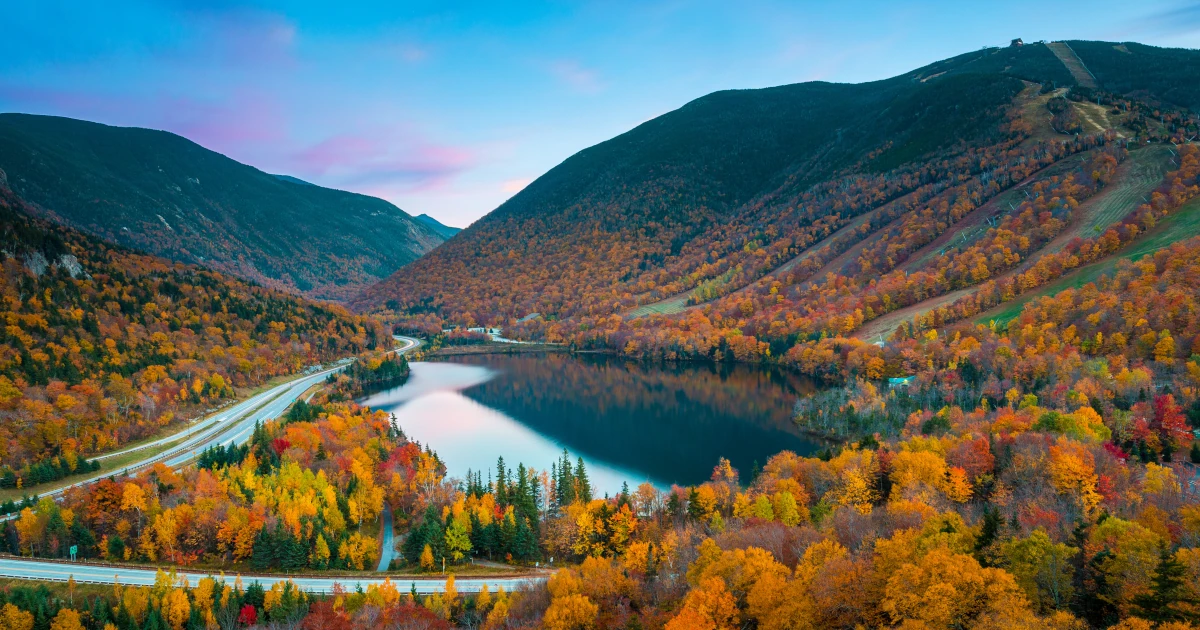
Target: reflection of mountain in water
671,421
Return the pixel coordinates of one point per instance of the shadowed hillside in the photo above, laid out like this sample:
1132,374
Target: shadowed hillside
169,196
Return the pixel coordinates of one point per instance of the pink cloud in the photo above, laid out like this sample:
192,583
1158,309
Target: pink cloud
387,158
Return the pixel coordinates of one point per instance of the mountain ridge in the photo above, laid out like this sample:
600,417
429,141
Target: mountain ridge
166,195
722,191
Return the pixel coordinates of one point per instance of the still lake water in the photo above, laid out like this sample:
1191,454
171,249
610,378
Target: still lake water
629,421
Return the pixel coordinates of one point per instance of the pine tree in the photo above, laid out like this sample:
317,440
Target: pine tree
263,556
501,483
1168,589
100,612
524,541
584,487
295,554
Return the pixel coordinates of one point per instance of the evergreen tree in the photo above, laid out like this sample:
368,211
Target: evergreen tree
674,509
294,553
123,620
254,595
583,486
507,535
263,557
100,612
501,482
492,538
1168,590
154,621
992,522
565,483
429,532
82,536
116,548
524,541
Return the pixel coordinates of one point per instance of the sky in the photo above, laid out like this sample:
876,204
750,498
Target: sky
449,108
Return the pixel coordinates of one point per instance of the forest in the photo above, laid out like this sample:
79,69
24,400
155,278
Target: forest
103,346
1003,322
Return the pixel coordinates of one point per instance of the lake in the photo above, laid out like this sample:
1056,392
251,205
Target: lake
630,421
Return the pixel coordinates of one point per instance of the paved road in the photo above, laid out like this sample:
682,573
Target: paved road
388,550
237,420
100,574
231,426
235,426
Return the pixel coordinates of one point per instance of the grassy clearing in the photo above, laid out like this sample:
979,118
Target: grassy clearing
60,589
1184,224
668,306
1146,170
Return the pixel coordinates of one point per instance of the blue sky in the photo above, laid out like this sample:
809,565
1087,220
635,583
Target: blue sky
449,108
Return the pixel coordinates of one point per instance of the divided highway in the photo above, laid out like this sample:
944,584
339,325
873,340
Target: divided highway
47,571
234,425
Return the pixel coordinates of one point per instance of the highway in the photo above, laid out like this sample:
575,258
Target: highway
47,571
237,422
234,425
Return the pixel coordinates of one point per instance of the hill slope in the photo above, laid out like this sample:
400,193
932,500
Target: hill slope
103,345
618,217
740,189
169,196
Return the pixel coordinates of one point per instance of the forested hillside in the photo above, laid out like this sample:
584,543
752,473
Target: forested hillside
992,271
103,345
168,196
714,230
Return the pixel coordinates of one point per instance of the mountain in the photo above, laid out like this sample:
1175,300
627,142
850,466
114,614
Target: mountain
294,180
166,195
127,342
444,230
791,183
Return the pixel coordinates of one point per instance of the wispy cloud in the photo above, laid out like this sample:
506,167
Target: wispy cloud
388,158
576,76
1180,20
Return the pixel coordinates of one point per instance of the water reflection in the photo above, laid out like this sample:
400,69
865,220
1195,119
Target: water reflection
630,421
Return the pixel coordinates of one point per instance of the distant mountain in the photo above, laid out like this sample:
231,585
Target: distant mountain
727,188
166,195
445,230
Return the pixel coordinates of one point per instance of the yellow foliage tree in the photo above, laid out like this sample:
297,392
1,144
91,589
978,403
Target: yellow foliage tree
15,619
67,619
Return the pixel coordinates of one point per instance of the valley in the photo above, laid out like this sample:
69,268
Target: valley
917,352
